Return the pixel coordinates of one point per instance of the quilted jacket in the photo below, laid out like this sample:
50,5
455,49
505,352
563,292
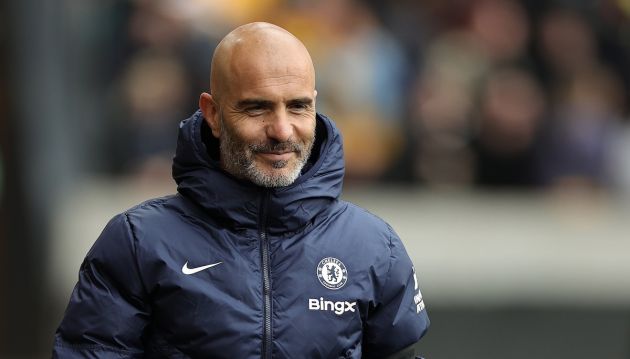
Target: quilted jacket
227,269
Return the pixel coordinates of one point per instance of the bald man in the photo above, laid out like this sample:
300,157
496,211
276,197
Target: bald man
262,106
256,256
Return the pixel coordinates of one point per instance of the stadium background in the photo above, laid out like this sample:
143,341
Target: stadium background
492,134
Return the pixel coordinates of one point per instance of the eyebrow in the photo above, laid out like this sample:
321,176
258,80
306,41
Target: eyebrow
254,102
301,101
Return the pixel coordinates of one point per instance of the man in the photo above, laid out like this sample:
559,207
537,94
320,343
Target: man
256,256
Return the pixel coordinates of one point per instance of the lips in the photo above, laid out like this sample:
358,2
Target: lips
276,156
279,152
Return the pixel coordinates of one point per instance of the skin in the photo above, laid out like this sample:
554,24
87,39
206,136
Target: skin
262,104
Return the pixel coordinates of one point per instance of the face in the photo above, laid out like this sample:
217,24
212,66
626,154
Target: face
266,125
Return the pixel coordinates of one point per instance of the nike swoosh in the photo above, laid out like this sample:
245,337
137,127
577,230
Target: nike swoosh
187,270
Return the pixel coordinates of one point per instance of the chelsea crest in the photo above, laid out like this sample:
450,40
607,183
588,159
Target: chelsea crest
332,273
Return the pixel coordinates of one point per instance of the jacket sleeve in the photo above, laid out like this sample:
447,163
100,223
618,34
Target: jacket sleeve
108,308
399,319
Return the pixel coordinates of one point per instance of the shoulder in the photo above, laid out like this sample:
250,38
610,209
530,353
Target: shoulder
145,233
364,220
154,207
161,211
146,221
364,232
121,225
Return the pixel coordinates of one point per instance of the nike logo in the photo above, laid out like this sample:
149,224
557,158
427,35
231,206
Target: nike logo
188,271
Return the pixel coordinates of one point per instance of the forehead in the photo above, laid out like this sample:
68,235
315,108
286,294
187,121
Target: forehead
270,67
285,86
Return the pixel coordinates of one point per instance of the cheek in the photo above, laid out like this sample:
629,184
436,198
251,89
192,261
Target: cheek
306,130
248,134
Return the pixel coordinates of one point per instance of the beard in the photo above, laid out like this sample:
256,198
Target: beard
238,158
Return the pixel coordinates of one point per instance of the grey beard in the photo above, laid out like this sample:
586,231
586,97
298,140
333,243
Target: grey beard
237,159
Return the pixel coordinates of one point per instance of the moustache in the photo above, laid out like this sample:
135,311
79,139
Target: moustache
288,146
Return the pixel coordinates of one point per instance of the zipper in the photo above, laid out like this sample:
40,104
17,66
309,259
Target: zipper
266,278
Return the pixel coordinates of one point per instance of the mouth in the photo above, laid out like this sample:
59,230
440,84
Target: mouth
275,156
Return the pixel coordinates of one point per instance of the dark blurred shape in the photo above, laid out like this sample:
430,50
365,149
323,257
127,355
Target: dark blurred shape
22,218
501,29
585,119
496,33
155,91
568,44
522,333
587,102
5,153
511,111
166,66
441,110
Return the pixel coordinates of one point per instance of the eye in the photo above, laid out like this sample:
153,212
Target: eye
299,107
254,110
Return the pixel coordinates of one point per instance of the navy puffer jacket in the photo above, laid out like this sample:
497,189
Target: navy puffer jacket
227,269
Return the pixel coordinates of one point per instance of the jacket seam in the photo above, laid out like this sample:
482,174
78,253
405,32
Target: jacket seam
389,270
390,246
150,202
134,246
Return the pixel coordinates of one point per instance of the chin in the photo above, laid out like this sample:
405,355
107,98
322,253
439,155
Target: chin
274,177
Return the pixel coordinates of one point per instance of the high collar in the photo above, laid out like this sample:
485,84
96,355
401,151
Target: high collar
242,204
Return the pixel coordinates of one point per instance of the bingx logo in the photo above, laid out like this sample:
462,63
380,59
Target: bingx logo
328,305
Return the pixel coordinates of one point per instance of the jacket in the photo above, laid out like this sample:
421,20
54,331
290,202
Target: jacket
227,269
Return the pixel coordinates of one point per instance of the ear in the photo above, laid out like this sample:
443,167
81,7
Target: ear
210,111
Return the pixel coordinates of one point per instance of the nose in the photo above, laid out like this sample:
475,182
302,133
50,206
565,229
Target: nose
279,127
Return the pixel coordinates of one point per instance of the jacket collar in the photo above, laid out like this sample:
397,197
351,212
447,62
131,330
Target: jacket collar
241,204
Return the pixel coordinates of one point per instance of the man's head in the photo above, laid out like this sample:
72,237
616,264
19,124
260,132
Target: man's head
262,104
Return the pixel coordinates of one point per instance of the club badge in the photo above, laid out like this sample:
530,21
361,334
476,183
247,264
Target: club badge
332,273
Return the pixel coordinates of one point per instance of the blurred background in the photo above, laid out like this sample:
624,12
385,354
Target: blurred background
492,134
